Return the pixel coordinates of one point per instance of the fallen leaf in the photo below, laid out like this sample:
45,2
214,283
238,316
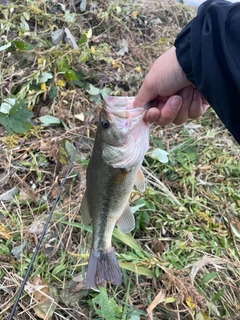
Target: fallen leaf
83,5
54,192
89,33
123,47
189,303
43,86
48,121
114,64
157,246
70,39
61,83
37,227
50,149
158,299
8,195
4,177
4,234
73,292
202,316
16,251
57,36
138,69
43,111
27,195
80,116
46,298
134,14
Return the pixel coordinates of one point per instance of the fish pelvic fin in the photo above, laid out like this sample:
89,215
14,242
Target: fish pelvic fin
103,266
140,181
84,210
126,222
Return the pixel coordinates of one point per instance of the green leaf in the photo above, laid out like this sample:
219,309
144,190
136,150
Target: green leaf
118,9
62,66
24,25
52,92
218,294
208,277
106,92
126,239
93,91
136,269
26,15
63,155
7,105
84,56
83,39
159,154
22,45
106,307
70,75
17,118
129,241
142,220
5,46
70,149
45,76
135,317
49,121
137,207
169,300
58,269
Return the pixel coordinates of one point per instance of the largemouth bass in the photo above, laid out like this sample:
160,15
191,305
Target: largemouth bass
122,139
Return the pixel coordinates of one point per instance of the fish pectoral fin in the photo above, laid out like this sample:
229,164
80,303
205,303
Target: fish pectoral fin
84,211
126,222
140,181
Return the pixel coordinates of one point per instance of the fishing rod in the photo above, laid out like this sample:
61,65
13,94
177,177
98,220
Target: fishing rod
56,200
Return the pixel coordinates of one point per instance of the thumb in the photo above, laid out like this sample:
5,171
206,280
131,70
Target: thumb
145,95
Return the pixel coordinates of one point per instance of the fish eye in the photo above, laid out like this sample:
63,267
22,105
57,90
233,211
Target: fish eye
105,124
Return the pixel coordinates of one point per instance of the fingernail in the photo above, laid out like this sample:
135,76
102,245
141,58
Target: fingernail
186,92
195,95
175,102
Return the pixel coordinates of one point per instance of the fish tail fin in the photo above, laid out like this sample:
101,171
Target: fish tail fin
103,266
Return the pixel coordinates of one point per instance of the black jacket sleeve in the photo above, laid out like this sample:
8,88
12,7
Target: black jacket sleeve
208,50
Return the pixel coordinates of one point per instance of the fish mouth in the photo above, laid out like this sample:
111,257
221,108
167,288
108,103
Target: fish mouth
122,106
120,111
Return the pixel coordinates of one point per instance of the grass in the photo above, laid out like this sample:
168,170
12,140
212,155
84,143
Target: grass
182,260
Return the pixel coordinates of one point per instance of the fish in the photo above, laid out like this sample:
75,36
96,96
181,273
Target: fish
121,142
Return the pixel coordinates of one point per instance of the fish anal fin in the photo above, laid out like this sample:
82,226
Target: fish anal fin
126,222
103,266
140,181
84,210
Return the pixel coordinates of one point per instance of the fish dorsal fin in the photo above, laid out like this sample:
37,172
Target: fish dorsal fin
140,181
84,211
126,222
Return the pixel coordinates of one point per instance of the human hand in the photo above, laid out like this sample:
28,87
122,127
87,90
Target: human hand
173,98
